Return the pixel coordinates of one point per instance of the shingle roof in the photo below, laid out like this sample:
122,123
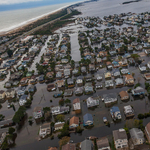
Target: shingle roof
86,145
87,117
119,134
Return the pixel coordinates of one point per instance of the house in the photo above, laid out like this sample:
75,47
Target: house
99,77
88,78
69,146
58,75
147,132
124,95
129,80
107,75
31,88
124,62
74,122
51,87
41,79
76,105
79,82
70,83
10,93
87,119
68,93
115,113
67,73
120,139
59,125
109,98
91,102
109,65
87,145
88,88
115,64
24,81
45,130
137,136
131,61
138,91
59,110
119,82
91,67
142,68
33,80
116,74
23,100
61,84
83,70
98,85
125,71
109,83
37,112
78,91
147,76
2,95
128,111
103,144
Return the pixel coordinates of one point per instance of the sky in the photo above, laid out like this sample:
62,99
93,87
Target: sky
6,5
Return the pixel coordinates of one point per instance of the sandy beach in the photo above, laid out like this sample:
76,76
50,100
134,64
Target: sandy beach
18,27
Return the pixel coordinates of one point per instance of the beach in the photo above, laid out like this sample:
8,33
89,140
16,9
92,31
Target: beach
17,19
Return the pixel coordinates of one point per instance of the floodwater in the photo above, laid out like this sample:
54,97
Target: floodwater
27,136
75,53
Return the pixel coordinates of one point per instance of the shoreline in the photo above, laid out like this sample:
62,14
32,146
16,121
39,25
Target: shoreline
33,20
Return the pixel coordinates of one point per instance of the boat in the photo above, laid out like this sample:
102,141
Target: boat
104,119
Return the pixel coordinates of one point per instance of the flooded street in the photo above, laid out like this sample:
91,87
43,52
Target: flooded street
75,53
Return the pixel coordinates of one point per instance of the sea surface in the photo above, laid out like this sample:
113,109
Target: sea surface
12,16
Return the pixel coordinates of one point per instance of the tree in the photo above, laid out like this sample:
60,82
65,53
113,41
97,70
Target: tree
19,114
61,102
45,109
64,141
1,117
60,118
67,101
9,52
11,130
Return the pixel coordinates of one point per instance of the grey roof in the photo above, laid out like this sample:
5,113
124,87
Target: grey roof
119,134
136,133
87,145
87,117
102,143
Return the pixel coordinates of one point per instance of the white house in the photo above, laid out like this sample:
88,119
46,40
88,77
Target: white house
120,139
92,102
45,130
76,104
37,112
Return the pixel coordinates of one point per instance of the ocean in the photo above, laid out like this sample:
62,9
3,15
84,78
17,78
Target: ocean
15,15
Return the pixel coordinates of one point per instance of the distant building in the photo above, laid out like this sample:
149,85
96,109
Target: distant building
138,91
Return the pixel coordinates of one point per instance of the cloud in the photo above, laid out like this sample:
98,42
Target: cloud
7,2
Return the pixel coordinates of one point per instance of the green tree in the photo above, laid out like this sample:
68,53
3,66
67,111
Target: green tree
60,118
11,130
